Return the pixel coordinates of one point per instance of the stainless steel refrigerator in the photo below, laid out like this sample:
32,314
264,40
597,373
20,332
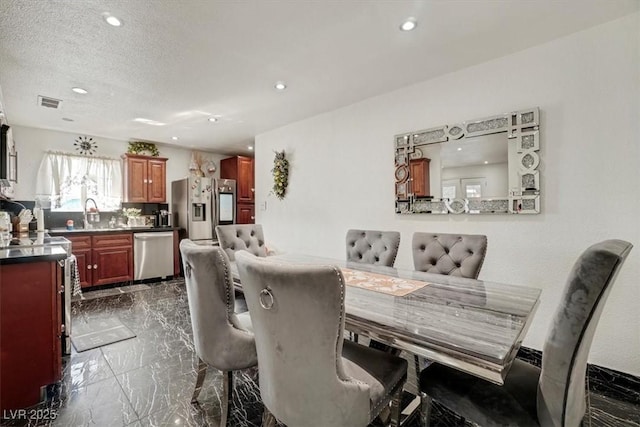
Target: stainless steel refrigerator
192,201
201,203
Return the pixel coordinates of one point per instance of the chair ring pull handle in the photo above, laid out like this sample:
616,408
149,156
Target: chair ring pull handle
266,299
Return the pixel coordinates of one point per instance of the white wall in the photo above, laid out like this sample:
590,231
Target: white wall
31,144
587,88
496,175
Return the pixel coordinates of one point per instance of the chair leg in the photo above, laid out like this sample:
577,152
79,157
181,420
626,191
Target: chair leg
396,409
416,362
202,372
268,420
227,396
425,409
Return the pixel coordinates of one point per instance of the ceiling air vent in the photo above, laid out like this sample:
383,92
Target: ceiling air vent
45,101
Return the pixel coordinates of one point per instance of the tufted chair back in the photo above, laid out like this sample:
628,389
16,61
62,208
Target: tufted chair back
373,247
238,237
450,254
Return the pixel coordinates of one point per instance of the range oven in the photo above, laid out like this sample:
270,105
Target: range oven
69,273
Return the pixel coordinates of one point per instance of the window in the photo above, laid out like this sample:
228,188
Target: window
65,181
450,188
473,187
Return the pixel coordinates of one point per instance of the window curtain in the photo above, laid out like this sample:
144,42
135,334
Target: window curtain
62,178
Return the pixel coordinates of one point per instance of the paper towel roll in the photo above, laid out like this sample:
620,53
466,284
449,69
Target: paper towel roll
39,213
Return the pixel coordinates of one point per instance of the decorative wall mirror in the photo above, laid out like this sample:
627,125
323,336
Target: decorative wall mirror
483,166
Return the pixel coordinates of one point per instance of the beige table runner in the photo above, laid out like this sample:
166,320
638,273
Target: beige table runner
395,286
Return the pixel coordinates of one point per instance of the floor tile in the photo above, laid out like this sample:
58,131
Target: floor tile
99,404
82,369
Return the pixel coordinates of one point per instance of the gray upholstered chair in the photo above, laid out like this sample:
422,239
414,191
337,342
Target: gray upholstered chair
310,376
450,254
373,247
238,237
530,396
222,338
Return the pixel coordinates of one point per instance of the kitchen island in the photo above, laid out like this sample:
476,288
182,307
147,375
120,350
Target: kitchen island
30,320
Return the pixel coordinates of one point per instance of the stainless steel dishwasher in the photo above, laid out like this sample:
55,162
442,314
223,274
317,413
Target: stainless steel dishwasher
152,255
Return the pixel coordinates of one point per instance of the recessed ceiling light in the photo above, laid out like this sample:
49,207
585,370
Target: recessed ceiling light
79,90
250,147
213,119
459,148
280,86
175,138
112,20
486,162
409,24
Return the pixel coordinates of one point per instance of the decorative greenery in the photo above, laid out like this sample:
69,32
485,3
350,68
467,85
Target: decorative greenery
85,145
131,212
280,173
139,147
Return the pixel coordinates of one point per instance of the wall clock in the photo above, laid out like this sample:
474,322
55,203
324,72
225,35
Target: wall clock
86,145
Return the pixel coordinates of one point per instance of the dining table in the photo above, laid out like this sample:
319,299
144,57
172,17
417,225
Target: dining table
472,325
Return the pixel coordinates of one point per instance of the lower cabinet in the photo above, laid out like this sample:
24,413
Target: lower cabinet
30,331
246,213
104,258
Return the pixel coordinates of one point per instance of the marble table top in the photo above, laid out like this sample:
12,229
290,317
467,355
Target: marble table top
472,325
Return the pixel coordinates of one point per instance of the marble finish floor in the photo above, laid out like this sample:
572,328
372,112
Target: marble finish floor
148,380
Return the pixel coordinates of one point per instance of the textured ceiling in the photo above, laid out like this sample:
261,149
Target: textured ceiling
180,61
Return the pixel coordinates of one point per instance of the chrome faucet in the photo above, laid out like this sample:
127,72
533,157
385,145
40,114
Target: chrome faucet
90,217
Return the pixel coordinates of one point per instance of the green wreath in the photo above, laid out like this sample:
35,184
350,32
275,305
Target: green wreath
139,147
280,173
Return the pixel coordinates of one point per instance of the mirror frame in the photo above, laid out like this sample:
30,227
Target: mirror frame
521,127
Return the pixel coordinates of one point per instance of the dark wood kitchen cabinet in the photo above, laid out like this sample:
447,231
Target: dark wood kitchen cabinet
81,248
145,179
419,174
242,170
30,331
103,258
245,213
112,256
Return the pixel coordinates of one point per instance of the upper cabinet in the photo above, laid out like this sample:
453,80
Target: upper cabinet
145,179
241,169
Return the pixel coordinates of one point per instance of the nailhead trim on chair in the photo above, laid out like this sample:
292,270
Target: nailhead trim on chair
228,280
375,411
339,355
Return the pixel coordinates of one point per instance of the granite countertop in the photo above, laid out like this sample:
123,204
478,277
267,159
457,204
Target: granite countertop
55,231
43,253
32,247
